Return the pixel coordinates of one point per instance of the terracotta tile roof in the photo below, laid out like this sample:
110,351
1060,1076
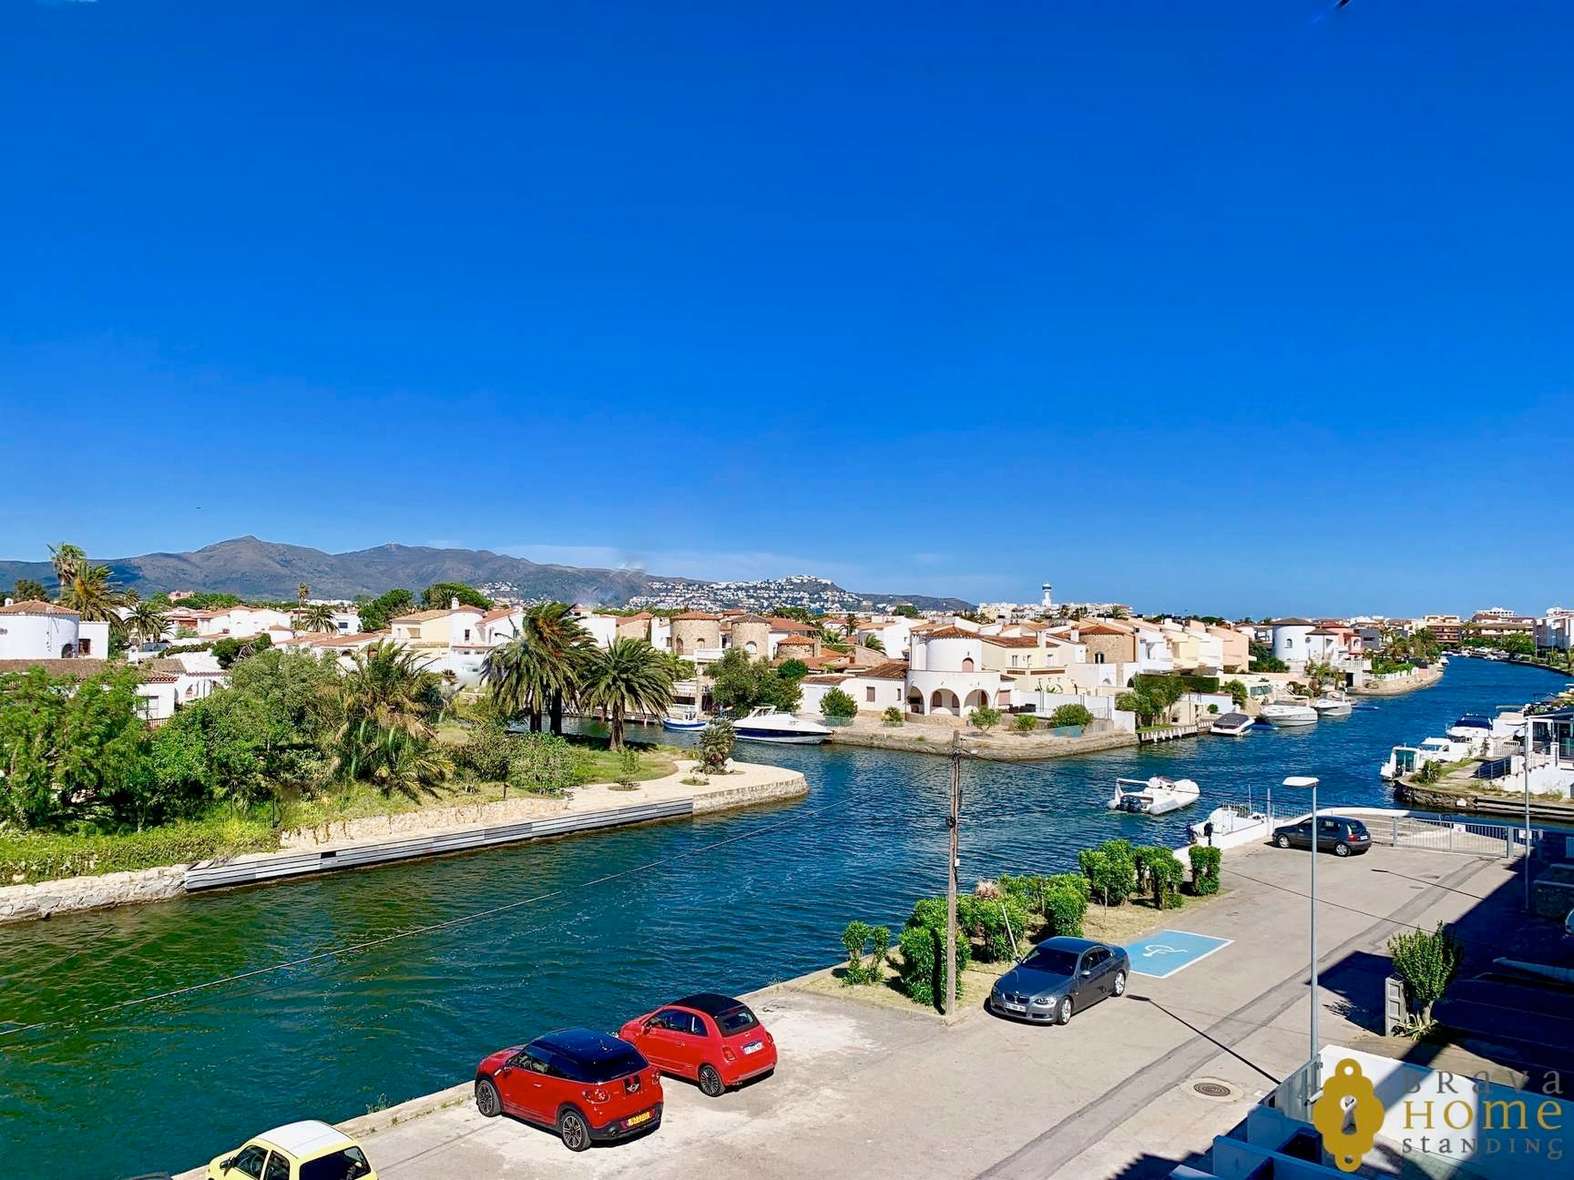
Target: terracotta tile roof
1010,640
37,606
828,678
1102,628
696,616
750,619
79,669
796,641
423,615
953,633
496,613
890,670
780,624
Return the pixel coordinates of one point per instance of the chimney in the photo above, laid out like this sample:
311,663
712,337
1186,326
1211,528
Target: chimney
10,602
453,604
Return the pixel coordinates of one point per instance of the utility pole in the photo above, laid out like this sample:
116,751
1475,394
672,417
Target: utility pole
1530,745
950,892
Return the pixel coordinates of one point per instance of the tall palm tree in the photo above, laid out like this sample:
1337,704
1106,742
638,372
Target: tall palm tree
539,669
513,676
316,617
90,593
302,593
146,622
390,699
66,558
629,676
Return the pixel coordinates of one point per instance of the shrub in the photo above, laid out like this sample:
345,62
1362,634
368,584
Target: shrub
1205,864
1237,691
1162,873
1213,708
485,753
30,858
627,767
854,938
1426,963
543,764
716,743
1111,870
892,715
998,923
923,962
1070,715
1024,723
838,706
1065,905
984,718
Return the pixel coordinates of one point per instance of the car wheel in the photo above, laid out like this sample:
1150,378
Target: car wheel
1282,841
1063,1011
573,1131
711,1084
1341,849
487,1100
1120,983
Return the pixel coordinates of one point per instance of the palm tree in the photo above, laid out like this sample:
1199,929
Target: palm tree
302,593
390,699
875,643
539,670
90,593
316,617
146,622
629,676
513,676
67,559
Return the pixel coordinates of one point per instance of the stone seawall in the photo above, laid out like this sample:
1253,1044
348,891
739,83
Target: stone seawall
1420,678
26,903
1007,747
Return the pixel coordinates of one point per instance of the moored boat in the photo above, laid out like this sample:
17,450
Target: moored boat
1232,820
684,719
1332,706
766,724
1232,724
1285,714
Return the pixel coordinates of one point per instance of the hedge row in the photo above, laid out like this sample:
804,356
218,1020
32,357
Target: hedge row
26,858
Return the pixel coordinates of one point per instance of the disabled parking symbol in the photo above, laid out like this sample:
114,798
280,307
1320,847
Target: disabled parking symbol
1164,952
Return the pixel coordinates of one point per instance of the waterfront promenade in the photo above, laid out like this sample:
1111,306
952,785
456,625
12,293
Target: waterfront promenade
890,1091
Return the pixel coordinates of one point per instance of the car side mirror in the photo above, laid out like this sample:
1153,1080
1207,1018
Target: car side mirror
1086,971
226,1164
650,1024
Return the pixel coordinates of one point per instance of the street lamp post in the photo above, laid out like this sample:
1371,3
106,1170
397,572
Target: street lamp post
1305,782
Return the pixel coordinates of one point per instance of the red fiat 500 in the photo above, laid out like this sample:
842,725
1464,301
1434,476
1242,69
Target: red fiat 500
586,1085
710,1039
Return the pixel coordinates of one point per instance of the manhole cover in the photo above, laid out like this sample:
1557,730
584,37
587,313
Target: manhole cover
1211,1089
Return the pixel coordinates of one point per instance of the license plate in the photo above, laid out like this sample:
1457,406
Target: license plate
754,1046
1016,1007
642,1117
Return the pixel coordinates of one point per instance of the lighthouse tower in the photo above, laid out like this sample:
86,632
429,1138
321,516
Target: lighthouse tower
1048,602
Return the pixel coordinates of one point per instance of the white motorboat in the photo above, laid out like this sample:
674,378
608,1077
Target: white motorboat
767,724
684,719
1333,706
1159,795
1233,820
1286,714
1232,724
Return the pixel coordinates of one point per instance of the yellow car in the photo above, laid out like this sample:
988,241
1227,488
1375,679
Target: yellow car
297,1151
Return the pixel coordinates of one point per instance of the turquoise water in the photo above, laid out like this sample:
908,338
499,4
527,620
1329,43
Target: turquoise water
728,903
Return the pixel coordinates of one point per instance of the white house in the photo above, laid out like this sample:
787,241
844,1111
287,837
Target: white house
37,630
1290,639
243,622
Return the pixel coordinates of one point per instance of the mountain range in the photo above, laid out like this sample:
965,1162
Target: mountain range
253,568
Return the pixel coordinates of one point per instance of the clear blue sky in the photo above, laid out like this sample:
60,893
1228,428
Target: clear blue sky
1243,307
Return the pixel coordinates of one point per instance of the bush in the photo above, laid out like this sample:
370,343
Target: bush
543,764
627,766
1213,708
1205,865
29,858
1111,870
1237,691
1068,715
1162,873
923,962
892,715
1426,963
1065,905
485,753
998,924
854,938
1024,723
716,743
838,706
984,718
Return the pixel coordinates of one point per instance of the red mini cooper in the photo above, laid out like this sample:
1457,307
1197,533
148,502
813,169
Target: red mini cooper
586,1085
708,1038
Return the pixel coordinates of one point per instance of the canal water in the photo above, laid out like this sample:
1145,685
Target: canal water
625,920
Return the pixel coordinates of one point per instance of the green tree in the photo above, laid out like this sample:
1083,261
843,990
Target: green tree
232,649
739,683
837,705
542,667
29,590
316,616
1262,658
984,718
716,744
1426,962
66,558
874,643
390,700
146,623
378,613
1237,691
905,610
439,595
627,677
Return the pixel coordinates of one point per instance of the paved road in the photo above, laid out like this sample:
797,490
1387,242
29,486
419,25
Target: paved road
884,1092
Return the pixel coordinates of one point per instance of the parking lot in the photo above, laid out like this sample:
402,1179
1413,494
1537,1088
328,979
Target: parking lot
887,1091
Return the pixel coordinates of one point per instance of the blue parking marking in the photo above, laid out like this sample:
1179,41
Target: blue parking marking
1163,953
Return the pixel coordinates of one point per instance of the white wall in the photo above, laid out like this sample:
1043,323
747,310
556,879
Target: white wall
42,637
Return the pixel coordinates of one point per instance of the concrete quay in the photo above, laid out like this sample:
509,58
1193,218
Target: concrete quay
934,737
880,1089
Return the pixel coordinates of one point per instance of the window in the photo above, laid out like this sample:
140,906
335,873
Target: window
1094,958
84,647
1098,657
278,1168
736,1021
248,1161
869,694
341,1165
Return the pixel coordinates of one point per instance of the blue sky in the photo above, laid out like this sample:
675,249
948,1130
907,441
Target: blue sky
1243,307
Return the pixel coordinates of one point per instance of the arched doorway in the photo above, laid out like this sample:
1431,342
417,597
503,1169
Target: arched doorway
977,699
967,663
944,702
915,701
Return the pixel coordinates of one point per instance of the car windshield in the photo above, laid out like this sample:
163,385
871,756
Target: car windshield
1357,828
737,1021
1053,960
341,1165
